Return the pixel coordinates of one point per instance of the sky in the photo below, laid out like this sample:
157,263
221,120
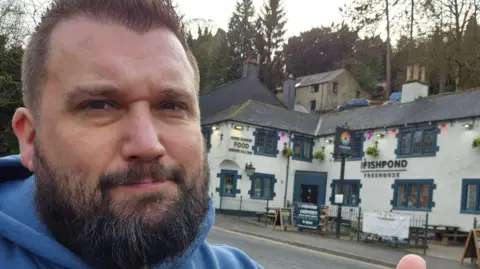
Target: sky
300,17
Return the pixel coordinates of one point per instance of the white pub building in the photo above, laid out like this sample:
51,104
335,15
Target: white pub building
418,155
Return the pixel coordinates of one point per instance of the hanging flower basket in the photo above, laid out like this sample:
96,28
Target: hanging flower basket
319,155
287,152
476,142
372,151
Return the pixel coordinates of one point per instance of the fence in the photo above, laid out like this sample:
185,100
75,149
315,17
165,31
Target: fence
242,207
352,224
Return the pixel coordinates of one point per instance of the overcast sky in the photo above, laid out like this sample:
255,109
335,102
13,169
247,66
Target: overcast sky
301,14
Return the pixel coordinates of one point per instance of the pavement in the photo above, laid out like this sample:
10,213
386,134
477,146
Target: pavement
274,255
364,252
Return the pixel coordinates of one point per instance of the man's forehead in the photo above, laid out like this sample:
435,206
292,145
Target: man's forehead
113,49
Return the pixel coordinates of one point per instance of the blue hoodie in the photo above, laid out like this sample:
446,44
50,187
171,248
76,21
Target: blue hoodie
26,243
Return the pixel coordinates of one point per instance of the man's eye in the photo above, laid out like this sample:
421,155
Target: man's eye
98,105
171,106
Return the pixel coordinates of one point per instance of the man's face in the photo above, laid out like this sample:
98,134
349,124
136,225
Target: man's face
119,148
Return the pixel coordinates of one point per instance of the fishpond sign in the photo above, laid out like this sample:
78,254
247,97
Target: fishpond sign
383,169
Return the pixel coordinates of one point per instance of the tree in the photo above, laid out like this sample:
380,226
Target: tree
452,16
269,41
365,14
240,35
319,49
367,63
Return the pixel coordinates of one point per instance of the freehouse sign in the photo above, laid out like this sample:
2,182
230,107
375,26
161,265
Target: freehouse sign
383,169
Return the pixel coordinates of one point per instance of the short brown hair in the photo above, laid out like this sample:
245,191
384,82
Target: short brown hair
138,15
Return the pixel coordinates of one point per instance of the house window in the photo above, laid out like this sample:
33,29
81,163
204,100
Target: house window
302,148
335,87
262,186
315,87
207,136
228,183
470,196
313,105
351,192
413,195
266,143
417,142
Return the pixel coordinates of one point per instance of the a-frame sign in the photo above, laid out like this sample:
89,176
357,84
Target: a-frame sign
471,249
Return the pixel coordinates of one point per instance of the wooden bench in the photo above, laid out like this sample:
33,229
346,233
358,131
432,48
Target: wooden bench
270,215
447,236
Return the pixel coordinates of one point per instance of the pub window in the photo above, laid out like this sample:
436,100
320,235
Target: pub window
302,148
351,192
266,143
417,142
315,88
414,195
207,136
262,186
470,196
228,183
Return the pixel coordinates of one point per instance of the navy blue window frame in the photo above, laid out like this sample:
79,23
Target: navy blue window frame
360,141
221,189
463,207
269,137
411,131
207,134
304,142
409,184
263,178
350,182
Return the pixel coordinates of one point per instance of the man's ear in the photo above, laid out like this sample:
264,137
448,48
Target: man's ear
24,128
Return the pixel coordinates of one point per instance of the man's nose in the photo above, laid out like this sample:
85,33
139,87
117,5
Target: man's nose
143,140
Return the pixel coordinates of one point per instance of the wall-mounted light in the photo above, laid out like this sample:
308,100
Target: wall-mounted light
215,127
328,141
468,126
249,169
380,135
238,127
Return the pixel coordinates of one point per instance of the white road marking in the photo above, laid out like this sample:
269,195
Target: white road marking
315,252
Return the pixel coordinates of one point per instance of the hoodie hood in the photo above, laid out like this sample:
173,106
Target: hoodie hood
20,223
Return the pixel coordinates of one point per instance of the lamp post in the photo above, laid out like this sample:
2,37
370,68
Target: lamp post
249,169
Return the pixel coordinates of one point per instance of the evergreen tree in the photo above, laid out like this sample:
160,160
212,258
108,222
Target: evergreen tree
269,43
240,35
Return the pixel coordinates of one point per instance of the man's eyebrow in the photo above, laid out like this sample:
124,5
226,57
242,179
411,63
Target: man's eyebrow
175,94
82,92
112,92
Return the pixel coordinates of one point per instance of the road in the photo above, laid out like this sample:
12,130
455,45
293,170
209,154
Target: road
274,255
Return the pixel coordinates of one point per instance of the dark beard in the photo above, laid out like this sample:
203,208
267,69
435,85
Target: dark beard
107,239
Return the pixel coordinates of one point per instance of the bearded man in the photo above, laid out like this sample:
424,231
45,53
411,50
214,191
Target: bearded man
111,136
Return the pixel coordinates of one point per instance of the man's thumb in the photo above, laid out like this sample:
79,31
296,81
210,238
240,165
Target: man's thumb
412,262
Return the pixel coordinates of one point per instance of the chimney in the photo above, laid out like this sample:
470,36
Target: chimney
415,86
289,91
250,67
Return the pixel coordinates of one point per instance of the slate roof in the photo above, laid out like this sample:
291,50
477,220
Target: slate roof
434,108
260,114
318,78
236,93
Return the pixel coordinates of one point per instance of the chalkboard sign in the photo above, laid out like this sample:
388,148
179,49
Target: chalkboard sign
471,249
285,216
307,216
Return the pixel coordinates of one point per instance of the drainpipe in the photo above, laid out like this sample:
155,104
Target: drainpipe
288,170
